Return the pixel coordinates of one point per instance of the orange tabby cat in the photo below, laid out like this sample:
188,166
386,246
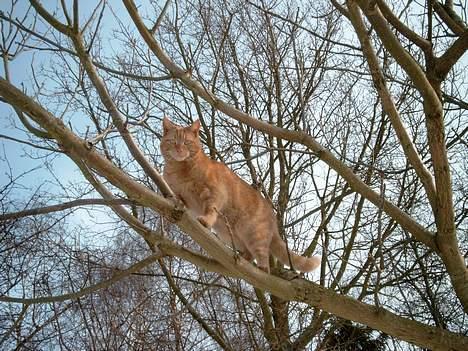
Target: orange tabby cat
223,201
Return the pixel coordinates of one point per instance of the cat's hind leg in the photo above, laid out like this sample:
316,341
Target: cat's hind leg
246,255
262,258
258,246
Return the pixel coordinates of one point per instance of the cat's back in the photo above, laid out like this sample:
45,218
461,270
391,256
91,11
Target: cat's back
241,194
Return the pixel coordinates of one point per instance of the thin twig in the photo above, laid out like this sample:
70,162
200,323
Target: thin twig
160,17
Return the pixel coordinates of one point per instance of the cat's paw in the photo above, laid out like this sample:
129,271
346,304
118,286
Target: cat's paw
291,275
204,222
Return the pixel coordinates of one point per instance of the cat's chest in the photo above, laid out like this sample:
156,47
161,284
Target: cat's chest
187,187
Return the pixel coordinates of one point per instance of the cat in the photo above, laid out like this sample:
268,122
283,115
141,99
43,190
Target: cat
221,200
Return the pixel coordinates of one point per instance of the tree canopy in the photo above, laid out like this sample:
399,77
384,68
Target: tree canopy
350,117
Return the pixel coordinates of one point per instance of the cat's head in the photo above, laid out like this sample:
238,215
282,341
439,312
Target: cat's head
180,143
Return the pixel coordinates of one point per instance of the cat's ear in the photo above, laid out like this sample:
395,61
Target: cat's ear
195,127
167,125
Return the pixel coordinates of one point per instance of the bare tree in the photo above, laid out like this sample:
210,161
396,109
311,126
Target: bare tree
349,117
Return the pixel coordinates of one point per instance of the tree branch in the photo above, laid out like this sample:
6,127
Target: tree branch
424,44
28,143
89,290
449,17
273,14
213,333
404,59
62,207
15,324
453,54
62,28
389,106
24,120
160,17
71,52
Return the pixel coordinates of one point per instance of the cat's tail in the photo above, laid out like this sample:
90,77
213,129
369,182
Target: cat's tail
299,263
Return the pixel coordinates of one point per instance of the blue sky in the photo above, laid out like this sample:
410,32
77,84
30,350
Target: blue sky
21,75
14,157
57,174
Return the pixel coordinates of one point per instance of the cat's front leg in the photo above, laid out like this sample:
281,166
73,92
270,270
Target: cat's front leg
210,204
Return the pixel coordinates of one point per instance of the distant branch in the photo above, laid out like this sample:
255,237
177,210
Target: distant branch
62,207
63,49
6,137
89,290
307,30
160,17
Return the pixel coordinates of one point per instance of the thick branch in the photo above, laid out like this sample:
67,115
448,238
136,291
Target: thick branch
379,81
424,44
37,132
453,54
62,28
449,17
404,59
